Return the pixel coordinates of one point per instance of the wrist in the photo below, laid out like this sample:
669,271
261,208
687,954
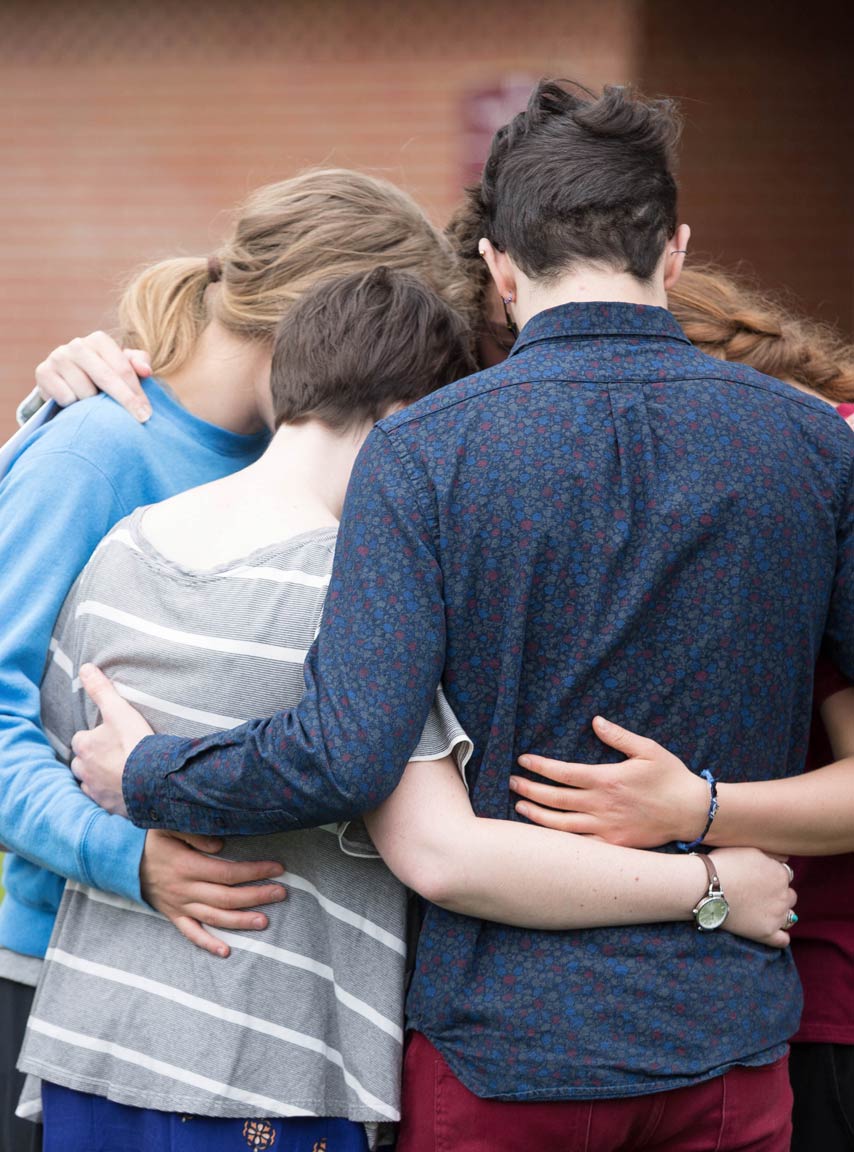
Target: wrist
709,787
712,909
690,887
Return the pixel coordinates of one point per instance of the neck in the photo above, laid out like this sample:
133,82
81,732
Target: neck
308,466
585,285
223,380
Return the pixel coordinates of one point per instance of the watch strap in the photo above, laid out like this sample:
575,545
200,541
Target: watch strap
714,881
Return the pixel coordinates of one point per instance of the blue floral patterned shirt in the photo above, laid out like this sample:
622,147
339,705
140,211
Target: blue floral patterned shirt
608,522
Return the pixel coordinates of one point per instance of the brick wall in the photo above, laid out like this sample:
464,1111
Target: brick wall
129,130
767,172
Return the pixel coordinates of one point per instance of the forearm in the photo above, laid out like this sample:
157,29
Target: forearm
516,873
807,815
536,878
45,818
54,509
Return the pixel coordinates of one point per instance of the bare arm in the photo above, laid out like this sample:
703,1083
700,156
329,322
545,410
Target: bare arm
651,798
531,877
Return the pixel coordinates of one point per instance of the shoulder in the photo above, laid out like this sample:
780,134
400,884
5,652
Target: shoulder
96,430
452,396
93,438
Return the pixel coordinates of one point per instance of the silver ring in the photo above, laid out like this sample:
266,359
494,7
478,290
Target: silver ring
790,870
791,919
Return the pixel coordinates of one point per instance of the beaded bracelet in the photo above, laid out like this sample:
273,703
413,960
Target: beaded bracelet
713,808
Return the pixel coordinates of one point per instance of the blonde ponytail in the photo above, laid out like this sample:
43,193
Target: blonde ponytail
163,311
287,237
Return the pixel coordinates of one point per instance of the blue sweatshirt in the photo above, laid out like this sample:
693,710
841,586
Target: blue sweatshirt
71,482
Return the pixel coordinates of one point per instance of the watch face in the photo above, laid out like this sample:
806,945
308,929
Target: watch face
711,913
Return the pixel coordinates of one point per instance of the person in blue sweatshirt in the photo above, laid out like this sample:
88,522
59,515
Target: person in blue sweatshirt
207,325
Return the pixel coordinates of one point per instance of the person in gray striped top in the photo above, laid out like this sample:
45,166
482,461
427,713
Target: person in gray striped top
202,627
202,610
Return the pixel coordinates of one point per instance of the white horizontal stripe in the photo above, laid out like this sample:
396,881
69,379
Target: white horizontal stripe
171,1071
190,639
220,1012
296,960
56,744
29,1108
111,899
279,576
60,659
244,942
209,719
291,880
137,696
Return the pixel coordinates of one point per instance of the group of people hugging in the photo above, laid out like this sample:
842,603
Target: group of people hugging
533,546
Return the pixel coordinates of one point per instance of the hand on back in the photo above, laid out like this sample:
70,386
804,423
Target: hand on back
649,799
95,363
195,891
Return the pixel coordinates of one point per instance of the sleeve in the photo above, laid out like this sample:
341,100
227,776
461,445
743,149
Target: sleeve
54,508
443,735
28,407
838,643
828,681
370,679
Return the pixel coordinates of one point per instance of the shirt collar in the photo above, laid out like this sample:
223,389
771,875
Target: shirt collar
590,321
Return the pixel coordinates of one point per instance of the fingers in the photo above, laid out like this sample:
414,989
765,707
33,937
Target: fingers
51,386
629,743
197,935
61,380
230,872
233,921
227,898
562,771
779,939
139,361
581,823
550,795
101,692
109,369
201,843
95,363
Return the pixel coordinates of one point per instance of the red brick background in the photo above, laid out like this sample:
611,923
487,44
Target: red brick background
129,130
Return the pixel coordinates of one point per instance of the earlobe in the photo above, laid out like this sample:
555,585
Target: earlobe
499,269
674,259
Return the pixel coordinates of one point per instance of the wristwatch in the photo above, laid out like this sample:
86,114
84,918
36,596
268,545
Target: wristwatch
713,909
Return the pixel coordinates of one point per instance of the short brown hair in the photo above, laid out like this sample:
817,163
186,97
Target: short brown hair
354,346
577,178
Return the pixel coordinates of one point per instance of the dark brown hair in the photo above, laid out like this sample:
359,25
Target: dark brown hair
576,178
727,318
354,346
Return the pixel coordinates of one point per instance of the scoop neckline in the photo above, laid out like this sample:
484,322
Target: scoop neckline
275,550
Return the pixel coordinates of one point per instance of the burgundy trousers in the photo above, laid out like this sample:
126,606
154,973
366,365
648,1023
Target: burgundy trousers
746,1110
